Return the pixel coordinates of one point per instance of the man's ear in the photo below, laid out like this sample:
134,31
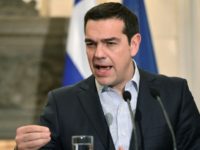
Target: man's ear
135,44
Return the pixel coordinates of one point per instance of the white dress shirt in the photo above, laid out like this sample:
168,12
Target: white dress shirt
116,110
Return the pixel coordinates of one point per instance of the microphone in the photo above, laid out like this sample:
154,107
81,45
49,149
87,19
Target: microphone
156,95
127,97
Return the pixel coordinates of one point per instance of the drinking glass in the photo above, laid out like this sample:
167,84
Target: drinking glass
82,142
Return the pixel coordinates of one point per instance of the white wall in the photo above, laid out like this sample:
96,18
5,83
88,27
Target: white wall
189,44
175,26
163,22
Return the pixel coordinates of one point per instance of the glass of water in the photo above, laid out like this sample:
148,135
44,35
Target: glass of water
82,142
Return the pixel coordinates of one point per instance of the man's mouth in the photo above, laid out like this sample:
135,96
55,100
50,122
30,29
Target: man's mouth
99,67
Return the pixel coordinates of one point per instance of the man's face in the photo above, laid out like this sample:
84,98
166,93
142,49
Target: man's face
109,52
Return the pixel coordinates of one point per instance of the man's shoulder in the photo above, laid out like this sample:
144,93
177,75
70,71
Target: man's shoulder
74,88
162,81
160,77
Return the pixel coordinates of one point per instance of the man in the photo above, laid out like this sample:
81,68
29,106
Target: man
95,105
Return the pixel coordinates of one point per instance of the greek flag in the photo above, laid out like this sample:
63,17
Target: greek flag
76,64
145,57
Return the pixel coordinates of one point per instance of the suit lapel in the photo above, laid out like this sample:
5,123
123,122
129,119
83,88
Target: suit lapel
89,100
145,110
148,106
146,103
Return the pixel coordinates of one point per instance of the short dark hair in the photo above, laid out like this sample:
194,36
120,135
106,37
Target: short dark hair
115,10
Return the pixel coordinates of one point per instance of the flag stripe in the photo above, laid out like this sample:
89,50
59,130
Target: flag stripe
76,65
76,2
71,72
145,58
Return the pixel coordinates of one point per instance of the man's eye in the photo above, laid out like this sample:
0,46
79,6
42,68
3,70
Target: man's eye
111,43
90,44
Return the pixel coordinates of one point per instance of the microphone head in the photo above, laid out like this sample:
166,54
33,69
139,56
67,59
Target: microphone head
154,92
126,95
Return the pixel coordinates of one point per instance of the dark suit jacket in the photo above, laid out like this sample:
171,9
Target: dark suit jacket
76,110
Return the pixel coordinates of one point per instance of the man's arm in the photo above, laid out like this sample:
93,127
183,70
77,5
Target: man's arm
188,127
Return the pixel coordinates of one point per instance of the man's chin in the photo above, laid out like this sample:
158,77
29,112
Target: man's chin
103,81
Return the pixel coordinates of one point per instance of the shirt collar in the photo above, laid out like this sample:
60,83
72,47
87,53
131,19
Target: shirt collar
135,81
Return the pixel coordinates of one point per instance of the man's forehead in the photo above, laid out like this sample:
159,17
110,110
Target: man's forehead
108,28
109,21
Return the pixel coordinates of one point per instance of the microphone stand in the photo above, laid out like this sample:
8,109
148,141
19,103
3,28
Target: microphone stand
127,98
156,95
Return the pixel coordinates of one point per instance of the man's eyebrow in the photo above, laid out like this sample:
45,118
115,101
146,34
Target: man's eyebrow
110,39
88,40
103,40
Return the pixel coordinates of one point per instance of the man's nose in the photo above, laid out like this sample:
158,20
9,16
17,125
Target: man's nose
100,51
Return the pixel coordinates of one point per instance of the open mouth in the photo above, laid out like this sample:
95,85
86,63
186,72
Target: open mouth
103,67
